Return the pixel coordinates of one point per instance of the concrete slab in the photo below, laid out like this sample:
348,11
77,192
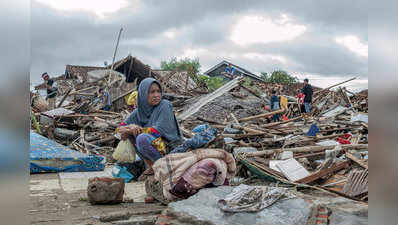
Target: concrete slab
86,175
43,187
203,207
136,191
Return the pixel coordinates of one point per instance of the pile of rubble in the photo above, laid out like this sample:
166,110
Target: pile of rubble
79,123
325,150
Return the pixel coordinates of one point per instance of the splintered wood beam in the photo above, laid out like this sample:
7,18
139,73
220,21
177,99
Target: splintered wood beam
240,136
355,159
210,121
322,173
262,115
308,149
281,122
63,98
334,86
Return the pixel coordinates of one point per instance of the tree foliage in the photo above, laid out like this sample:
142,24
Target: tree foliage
279,76
192,66
212,83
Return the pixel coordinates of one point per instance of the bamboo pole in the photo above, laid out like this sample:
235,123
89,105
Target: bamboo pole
262,115
309,149
114,55
281,122
334,85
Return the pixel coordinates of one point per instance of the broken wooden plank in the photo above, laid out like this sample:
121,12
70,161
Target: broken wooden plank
210,121
355,159
332,86
262,115
208,98
250,130
281,122
315,148
63,98
240,136
322,173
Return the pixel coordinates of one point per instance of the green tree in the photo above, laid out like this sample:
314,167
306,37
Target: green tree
279,76
192,66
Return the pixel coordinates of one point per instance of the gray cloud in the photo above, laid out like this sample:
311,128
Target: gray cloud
60,38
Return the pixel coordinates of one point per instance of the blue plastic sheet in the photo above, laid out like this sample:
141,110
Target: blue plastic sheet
49,156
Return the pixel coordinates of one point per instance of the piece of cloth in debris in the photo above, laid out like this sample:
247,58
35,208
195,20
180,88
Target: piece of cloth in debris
283,102
345,139
197,141
333,153
132,98
171,168
313,130
145,149
245,198
160,117
201,174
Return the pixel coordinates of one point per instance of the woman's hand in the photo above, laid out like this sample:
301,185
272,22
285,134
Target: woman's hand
124,135
135,130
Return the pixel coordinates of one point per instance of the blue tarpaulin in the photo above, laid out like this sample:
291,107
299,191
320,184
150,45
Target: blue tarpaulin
49,156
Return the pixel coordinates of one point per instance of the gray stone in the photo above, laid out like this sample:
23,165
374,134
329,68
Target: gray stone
203,207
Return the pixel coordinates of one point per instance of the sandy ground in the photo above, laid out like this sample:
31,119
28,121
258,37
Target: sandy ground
61,199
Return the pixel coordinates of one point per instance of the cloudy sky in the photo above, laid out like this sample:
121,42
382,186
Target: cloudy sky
322,40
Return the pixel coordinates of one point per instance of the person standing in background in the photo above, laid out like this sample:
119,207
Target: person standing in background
275,105
106,99
51,90
307,91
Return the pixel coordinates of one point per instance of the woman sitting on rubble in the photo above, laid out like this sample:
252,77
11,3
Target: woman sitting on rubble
152,128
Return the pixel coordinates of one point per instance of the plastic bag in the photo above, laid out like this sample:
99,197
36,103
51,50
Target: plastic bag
124,152
121,172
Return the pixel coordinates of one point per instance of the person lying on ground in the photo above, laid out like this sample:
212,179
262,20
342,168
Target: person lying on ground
152,128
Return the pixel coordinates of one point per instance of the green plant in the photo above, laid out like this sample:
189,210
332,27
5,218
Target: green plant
186,64
279,76
214,83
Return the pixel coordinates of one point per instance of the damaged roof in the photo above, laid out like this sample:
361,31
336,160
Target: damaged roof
238,68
